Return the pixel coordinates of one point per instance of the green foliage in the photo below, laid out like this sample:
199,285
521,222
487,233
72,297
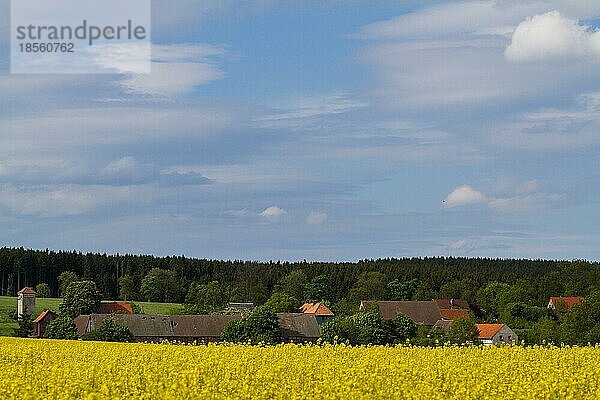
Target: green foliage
136,308
293,285
397,290
463,330
545,330
399,329
127,288
110,331
260,326
42,290
424,292
205,299
459,289
61,328
25,326
340,330
521,315
318,289
490,298
80,298
282,303
369,286
65,279
234,332
160,285
370,328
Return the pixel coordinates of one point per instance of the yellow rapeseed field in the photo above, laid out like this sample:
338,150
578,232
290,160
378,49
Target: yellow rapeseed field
53,369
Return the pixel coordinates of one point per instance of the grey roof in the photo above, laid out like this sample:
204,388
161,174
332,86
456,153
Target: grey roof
444,324
200,325
295,325
421,312
141,325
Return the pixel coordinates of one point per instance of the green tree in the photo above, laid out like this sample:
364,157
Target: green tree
399,329
80,298
370,327
206,299
234,331
282,303
127,288
397,290
61,328
340,330
65,279
293,285
110,331
25,326
492,297
160,285
463,330
318,289
42,290
369,286
260,326
545,330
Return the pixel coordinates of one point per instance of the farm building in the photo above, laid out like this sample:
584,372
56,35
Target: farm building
42,321
295,327
494,334
421,312
25,302
319,310
115,307
199,328
563,304
299,328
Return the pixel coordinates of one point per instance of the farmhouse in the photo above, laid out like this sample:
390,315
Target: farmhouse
299,328
421,312
42,321
145,328
295,327
199,328
319,310
494,334
564,304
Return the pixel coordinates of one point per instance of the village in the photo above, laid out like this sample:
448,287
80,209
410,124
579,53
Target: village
304,326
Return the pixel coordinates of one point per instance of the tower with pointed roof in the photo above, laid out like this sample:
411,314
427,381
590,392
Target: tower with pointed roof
26,302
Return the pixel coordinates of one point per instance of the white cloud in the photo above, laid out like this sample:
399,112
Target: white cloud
295,113
463,196
316,218
273,213
523,201
177,69
51,201
528,202
551,35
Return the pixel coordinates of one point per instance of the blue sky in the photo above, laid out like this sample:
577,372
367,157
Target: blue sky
318,130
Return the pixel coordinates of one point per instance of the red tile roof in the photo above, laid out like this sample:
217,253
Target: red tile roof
43,315
454,314
487,331
116,307
568,302
26,290
318,309
451,304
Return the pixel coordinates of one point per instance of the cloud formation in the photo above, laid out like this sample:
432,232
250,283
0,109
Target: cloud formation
463,196
273,213
316,218
551,35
